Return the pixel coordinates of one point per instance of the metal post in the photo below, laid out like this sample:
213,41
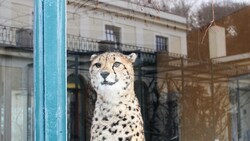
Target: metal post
76,92
238,109
141,96
214,134
179,131
50,70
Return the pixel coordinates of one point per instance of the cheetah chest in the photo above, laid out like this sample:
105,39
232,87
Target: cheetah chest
120,123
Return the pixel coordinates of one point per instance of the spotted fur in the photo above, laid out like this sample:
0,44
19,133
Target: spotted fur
117,115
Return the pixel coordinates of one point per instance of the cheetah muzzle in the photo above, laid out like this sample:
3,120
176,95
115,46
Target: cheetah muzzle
105,82
117,115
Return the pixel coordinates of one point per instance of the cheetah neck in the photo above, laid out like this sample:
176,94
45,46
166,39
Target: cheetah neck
105,108
113,96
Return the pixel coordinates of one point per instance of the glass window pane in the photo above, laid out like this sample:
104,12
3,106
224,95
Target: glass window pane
192,83
161,43
191,76
16,71
17,108
113,32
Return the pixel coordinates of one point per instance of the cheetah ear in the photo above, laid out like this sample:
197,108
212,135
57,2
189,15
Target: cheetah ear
93,57
132,57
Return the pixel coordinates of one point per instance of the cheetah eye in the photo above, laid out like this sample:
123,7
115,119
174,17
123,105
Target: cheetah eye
98,65
117,64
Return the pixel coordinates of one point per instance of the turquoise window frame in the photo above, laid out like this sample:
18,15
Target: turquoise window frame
50,70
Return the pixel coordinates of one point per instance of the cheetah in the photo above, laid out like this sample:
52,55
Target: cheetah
117,114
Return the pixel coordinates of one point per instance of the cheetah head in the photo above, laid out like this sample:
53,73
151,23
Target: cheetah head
111,72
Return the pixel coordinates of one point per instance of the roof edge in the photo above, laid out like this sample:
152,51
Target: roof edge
145,10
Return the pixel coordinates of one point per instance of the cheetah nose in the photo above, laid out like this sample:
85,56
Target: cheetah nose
104,74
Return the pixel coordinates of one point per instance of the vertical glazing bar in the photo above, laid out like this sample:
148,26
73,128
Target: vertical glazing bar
38,73
50,70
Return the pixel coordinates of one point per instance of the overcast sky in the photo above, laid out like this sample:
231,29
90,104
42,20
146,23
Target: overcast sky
200,1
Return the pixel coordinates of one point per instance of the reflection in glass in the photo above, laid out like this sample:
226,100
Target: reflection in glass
182,99
16,75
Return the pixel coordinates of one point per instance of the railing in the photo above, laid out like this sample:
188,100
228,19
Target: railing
81,44
12,36
16,37
8,36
